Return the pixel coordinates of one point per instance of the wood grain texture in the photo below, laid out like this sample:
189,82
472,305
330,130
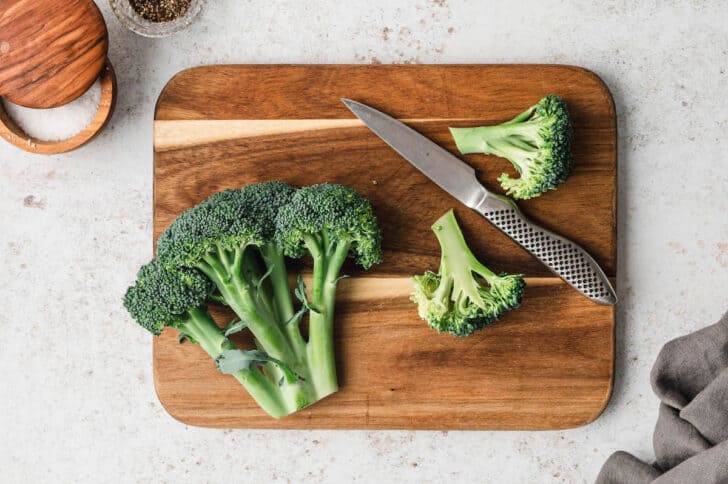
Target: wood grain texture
50,51
547,365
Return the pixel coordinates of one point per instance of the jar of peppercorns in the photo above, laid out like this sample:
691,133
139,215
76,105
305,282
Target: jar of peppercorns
156,18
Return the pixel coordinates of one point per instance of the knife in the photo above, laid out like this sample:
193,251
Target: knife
566,259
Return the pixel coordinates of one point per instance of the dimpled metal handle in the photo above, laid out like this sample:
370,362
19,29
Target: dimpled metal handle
563,257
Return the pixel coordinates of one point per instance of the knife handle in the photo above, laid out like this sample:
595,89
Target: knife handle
566,259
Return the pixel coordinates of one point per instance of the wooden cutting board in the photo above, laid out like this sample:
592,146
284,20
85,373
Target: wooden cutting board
548,365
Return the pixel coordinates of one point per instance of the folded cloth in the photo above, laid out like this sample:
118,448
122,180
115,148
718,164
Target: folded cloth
690,377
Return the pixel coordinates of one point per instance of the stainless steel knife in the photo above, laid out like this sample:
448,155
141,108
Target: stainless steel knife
566,259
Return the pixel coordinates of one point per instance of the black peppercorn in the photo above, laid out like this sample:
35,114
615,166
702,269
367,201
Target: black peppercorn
160,10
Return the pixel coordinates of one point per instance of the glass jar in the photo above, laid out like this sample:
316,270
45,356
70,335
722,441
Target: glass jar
136,23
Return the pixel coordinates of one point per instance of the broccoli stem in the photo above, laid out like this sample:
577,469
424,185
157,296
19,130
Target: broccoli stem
255,279
264,393
302,393
327,263
457,260
276,264
495,140
523,116
237,293
201,328
469,140
239,296
515,142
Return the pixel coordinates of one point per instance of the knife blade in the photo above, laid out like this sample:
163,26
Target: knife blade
562,256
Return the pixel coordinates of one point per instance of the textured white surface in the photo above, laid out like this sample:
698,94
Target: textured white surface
78,404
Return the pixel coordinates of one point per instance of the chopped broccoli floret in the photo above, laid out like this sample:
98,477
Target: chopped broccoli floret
176,298
464,295
537,142
329,222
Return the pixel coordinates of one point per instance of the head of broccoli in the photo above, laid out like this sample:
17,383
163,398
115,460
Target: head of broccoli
537,142
464,295
234,244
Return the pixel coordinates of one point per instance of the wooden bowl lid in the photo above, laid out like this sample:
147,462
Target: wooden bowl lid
51,52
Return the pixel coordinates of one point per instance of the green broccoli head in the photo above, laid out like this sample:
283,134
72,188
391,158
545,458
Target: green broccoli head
326,216
162,297
222,222
537,142
464,295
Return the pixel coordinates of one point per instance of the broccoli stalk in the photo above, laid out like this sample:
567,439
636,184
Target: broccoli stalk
465,295
243,289
275,263
328,222
537,142
163,298
200,328
238,290
328,258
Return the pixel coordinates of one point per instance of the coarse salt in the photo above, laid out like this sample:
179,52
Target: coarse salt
59,123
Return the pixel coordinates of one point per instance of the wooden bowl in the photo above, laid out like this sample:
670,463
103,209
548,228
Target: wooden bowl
50,54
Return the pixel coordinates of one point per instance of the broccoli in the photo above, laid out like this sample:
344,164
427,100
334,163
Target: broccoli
329,222
176,298
537,142
464,295
237,241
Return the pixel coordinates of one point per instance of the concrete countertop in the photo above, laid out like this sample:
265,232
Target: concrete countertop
78,403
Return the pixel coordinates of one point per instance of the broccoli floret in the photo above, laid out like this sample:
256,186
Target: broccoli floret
330,218
329,222
163,298
464,295
537,142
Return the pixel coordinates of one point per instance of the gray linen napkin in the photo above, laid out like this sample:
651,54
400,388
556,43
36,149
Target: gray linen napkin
690,377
